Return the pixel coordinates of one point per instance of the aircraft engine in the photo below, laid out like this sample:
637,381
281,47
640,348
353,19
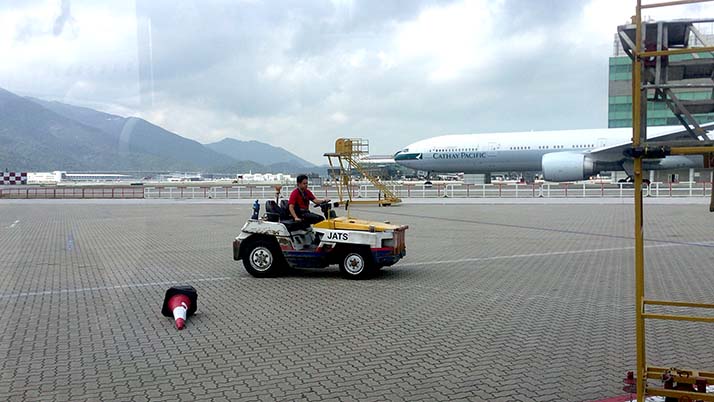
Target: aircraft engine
567,166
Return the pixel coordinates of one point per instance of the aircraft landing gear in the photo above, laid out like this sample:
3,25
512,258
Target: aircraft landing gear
630,179
427,183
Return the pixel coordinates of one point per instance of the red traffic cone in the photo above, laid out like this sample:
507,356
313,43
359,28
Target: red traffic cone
180,303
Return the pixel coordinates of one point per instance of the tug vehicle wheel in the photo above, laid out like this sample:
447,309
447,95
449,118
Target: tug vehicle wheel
357,264
262,258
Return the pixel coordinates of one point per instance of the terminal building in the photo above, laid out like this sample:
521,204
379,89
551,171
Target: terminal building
58,176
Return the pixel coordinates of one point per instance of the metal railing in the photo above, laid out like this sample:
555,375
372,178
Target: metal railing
71,192
365,191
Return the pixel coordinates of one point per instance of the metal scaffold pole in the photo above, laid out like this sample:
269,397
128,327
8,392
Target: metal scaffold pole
639,245
650,45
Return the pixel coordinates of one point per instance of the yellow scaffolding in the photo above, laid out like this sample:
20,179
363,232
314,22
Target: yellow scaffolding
348,152
653,62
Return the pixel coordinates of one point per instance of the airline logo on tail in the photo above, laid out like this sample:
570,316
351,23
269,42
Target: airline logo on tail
400,156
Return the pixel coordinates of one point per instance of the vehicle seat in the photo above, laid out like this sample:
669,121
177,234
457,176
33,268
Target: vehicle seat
281,214
272,211
284,210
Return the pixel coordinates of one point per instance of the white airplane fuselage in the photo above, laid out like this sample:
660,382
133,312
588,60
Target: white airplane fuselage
532,151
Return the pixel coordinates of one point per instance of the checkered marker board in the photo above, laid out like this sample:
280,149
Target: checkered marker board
14,178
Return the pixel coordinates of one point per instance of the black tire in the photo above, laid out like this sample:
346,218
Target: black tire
357,264
262,258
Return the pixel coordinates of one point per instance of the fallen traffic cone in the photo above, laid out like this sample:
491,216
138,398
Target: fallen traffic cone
180,303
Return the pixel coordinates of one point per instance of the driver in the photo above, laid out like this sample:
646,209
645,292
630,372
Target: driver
299,203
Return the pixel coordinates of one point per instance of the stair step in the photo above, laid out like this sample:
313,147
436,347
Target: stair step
698,106
690,69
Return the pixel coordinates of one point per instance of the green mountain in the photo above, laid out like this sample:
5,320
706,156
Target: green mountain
35,138
257,152
39,135
137,135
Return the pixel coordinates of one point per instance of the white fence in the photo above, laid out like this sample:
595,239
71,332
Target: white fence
364,191
456,190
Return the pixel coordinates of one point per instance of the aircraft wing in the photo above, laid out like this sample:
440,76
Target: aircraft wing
616,151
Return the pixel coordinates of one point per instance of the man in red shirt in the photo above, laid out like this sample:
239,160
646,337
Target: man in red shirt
299,203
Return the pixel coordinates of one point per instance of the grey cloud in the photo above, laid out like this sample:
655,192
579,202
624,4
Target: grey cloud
31,26
529,13
325,27
64,17
400,103
28,29
14,4
210,57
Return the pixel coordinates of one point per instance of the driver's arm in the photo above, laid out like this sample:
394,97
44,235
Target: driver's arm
291,208
318,201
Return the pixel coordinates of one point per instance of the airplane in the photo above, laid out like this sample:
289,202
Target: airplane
564,155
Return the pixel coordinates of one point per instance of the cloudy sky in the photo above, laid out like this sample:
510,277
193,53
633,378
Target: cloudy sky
299,74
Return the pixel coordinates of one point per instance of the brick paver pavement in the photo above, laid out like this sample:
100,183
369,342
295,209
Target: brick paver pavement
493,302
